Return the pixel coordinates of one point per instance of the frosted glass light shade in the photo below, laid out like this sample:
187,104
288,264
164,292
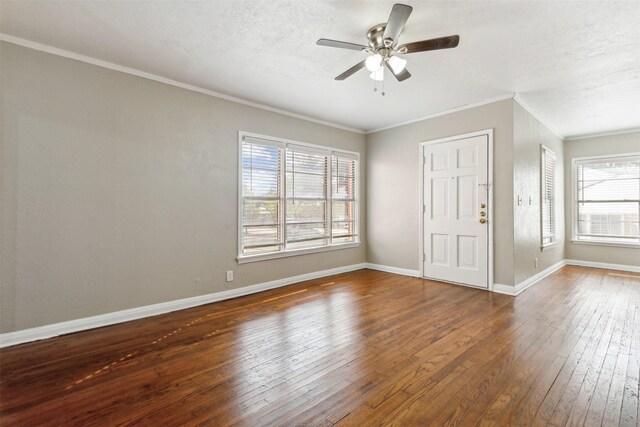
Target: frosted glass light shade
378,75
373,62
397,64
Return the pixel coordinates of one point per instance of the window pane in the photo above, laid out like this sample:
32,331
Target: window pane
310,163
343,178
306,211
343,231
307,233
260,239
343,211
260,156
611,219
306,186
609,180
260,212
344,167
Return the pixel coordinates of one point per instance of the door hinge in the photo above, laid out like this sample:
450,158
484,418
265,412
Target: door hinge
424,257
424,208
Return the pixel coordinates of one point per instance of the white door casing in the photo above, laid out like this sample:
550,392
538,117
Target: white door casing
456,215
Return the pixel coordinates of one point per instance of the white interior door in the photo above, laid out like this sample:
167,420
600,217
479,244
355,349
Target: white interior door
456,214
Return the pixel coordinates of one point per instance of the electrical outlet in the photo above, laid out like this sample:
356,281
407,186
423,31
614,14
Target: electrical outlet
229,275
535,262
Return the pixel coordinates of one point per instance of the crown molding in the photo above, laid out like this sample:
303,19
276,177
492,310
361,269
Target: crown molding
445,112
600,134
518,98
150,76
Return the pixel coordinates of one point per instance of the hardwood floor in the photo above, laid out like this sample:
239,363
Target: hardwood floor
362,348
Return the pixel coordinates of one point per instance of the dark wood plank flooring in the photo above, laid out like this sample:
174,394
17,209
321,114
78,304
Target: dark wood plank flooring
363,348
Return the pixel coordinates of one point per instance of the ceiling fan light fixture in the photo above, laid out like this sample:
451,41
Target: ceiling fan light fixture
397,64
378,75
373,62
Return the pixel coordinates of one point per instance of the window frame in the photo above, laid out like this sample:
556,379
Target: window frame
544,152
574,199
241,259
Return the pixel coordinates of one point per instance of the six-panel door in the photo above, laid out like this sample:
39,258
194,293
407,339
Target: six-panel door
456,211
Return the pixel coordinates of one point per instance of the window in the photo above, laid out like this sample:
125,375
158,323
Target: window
547,197
295,198
607,200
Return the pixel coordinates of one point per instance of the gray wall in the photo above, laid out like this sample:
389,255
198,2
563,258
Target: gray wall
528,135
118,192
600,146
393,203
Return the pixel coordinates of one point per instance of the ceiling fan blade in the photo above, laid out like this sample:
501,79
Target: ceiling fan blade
350,71
399,15
432,44
401,76
339,44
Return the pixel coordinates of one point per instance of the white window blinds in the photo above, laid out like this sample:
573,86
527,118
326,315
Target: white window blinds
343,185
608,200
261,216
307,205
295,197
548,196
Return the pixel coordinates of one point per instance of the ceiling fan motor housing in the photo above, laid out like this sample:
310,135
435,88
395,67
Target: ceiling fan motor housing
375,35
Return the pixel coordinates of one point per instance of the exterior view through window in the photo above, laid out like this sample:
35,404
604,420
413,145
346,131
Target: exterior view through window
607,199
295,197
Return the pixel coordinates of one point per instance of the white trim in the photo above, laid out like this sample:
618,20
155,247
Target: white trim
445,112
243,259
421,159
277,141
504,289
605,265
605,243
601,134
515,290
56,329
548,246
394,270
150,76
518,98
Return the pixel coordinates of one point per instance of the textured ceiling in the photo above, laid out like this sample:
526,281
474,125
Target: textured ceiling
575,64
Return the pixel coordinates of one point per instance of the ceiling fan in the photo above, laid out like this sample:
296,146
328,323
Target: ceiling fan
384,48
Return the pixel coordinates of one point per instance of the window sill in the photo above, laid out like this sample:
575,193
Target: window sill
615,244
548,246
263,257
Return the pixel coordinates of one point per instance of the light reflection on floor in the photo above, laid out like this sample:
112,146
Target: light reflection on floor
304,342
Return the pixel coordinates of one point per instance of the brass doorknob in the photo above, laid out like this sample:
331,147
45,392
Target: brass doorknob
482,205
482,220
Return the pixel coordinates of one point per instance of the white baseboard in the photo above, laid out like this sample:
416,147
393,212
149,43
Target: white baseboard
395,270
515,290
504,289
56,329
605,265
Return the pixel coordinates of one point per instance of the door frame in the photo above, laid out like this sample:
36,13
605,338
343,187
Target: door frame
423,144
